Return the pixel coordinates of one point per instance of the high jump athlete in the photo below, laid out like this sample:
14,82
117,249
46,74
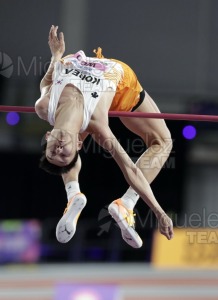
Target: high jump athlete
77,92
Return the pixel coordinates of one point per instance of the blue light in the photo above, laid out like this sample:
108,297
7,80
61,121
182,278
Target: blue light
189,132
12,118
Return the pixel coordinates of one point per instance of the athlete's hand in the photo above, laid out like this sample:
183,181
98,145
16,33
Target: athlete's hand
165,225
56,43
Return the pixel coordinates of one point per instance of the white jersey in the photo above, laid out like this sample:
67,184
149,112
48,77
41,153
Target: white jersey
92,76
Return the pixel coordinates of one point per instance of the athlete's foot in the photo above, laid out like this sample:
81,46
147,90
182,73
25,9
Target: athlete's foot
66,227
126,221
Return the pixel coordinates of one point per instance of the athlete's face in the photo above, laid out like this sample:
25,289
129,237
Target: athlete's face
61,147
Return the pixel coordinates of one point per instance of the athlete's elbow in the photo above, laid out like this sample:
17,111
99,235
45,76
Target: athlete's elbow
40,108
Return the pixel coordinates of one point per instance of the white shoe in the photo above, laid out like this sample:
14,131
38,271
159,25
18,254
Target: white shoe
66,227
126,221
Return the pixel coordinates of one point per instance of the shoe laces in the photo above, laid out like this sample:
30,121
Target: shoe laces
129,216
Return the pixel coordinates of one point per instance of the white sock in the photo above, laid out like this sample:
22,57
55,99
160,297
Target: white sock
130,198
72,188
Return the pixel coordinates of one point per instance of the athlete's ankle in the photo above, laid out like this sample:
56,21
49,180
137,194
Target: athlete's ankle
72,188
130,198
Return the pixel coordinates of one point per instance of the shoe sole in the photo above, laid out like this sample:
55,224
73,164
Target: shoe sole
66,227
129,234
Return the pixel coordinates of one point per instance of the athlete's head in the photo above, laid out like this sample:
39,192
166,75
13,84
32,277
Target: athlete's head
60,152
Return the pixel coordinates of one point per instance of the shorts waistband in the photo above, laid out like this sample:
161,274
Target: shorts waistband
141,99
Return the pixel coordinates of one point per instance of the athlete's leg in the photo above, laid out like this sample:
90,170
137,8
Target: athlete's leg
156,136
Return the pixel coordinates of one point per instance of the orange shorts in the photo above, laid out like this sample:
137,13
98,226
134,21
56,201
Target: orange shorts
128,90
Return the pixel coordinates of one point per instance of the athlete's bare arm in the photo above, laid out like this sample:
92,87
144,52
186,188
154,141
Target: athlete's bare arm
73,174
57,47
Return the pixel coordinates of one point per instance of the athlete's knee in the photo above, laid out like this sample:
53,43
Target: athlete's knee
167,141
162,142
167,145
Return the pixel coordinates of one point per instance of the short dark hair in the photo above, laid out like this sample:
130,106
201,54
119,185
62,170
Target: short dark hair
53,169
